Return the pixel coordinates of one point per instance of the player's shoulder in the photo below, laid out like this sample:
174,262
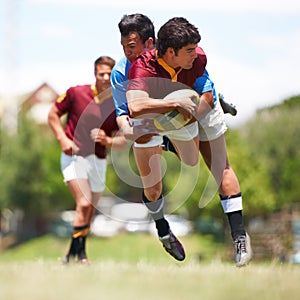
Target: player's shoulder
79,87
83,86
144,64
200,51
201,55
77,90
148,56
121,65
201,60
120,69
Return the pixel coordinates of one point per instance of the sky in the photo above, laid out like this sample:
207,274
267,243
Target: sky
252,46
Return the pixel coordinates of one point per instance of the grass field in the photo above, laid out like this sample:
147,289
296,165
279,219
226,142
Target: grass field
136,267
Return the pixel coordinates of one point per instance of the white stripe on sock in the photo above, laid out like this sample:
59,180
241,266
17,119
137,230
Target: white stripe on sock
232,204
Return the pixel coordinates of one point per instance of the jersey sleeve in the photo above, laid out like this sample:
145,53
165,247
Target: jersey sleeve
204,84
119,85
63,102
138,76
201,59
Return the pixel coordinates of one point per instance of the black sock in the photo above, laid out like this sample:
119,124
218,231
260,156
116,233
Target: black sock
73,247
235,219
77,246
156,211
81,247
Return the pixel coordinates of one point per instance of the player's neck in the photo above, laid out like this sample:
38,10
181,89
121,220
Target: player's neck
100,88
170,62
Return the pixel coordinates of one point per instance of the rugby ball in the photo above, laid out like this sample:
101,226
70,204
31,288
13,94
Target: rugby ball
173,120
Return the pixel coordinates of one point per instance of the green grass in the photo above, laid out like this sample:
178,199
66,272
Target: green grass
136,267
129,248
146,280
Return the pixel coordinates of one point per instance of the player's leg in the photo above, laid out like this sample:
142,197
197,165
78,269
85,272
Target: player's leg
213,149
187,151
97,180
167,145
215,156
148,161
185,142
82,195
95,200
74,170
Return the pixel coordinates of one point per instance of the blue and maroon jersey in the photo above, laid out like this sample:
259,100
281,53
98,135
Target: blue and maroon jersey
152,75
86,110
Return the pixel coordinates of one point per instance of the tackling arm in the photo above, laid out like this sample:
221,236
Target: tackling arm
140,104
206,104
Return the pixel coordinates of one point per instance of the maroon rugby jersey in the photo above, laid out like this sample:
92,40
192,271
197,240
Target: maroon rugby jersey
152,75
84,114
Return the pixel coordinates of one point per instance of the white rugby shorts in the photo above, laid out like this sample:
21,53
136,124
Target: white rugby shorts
185,133
90,167
212,125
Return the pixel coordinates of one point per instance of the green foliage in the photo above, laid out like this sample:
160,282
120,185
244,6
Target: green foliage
253,177
264,154
122,179
57,191
29,167
202,191
274,133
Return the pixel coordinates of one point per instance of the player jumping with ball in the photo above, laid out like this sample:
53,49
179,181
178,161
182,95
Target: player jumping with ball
176,60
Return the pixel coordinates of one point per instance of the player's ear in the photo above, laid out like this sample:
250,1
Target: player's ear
149,44
170,51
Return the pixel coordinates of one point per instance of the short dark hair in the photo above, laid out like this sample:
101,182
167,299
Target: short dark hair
176,33
105,60
137,23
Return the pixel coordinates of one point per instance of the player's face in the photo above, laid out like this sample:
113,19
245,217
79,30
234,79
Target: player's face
102,75
186,56
132,46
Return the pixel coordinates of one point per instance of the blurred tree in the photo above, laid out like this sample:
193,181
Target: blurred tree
276,147
204,199
30,176
264,153
122,179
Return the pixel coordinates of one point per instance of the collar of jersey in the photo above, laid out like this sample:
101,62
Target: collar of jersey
95,92
169,69
105,95
94,89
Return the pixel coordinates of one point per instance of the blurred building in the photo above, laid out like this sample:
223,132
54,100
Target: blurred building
35,104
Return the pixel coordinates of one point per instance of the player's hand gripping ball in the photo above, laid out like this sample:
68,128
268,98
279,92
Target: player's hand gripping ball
173,119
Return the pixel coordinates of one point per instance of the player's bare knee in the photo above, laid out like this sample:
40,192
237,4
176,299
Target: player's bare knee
83,204
191,161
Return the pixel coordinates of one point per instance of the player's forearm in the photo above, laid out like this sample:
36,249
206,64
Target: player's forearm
139,103
206,105
54,122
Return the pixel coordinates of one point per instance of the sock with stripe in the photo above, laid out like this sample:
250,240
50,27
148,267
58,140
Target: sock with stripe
155,209
232,206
